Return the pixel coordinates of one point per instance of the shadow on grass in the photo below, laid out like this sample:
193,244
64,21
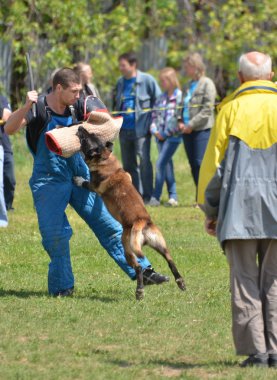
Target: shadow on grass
32,293
181,365
187,365
22,293
94,297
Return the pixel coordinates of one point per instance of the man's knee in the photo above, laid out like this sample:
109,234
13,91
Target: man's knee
56,244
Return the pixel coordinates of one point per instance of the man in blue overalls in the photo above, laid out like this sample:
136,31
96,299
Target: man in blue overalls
53,189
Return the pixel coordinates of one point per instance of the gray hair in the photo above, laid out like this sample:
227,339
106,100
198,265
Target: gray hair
254,71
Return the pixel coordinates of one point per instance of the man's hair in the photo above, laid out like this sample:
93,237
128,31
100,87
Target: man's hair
252,71
65,77
130,57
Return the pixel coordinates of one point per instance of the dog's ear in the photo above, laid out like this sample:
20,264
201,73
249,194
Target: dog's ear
93,137
82,132
109,145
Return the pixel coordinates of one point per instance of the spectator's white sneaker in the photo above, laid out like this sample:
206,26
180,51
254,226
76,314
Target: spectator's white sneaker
153,202
171,203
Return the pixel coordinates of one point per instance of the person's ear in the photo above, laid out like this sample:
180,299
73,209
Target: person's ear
271,75
59,87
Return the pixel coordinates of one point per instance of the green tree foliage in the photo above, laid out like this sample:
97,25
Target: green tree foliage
222,30
61,32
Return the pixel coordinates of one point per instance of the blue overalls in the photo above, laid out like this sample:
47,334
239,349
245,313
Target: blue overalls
53,189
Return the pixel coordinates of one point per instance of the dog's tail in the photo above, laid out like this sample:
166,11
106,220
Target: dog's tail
137,237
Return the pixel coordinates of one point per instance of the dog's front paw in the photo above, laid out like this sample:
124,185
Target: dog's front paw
79,181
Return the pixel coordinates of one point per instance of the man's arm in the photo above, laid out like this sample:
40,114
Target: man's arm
155,90
5,109
6,114
17,119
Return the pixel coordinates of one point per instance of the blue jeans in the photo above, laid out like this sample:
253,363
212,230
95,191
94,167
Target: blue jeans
9,179
141,171
165,169
195,146
3,211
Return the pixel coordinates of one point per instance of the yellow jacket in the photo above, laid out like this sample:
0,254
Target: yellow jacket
238,175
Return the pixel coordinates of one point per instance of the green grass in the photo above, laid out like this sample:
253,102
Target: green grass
103,333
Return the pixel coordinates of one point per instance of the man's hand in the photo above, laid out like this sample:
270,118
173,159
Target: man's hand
184,128
181,126
159,136
210,226
32,97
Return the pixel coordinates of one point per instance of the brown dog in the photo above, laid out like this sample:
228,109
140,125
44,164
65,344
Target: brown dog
124,203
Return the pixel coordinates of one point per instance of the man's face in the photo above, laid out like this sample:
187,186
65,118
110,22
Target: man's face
126,69
69,95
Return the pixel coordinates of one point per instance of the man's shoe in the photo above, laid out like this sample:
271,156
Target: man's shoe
171,203
272,360
150,277
153,202
65,293
258,360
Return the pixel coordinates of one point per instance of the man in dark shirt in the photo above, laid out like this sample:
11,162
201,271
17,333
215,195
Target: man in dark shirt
53,188
135,93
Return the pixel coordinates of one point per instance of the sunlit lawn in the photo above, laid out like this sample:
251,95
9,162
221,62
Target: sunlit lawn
103,332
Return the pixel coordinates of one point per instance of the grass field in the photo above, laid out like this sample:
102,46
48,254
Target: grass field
103,332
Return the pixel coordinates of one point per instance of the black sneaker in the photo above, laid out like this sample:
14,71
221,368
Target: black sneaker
272,360
65,293
150,277
258,360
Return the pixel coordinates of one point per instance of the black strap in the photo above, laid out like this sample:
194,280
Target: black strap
256,88
48,112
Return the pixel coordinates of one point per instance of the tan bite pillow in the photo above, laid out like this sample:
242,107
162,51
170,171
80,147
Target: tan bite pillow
64,141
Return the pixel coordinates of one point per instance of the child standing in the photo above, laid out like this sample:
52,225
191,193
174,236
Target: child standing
165,128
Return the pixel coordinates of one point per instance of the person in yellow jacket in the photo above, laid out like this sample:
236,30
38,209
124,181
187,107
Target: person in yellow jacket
238,193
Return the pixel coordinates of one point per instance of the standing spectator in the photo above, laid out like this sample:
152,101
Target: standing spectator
85,72
165,128
3,211
8,171
238,191
198,113
134,92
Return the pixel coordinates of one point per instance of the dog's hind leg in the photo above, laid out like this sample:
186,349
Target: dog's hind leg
137,237
132,261
154,238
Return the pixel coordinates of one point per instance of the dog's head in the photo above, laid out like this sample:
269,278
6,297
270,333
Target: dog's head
92,147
